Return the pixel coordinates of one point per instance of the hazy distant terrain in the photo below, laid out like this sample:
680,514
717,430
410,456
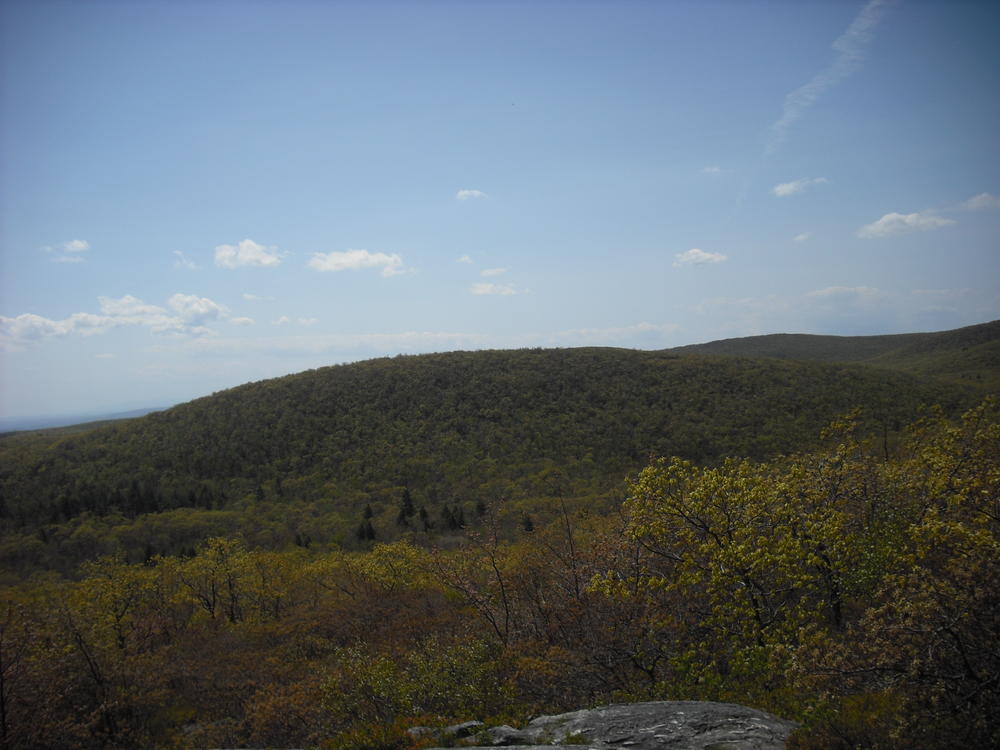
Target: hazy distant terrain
84,421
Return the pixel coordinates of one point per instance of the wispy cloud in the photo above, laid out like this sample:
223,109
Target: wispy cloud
894,224
498,289
801,237
711,170
247,253
242,321
694,257
844,292
921,221
184,262
850,49
353,260
76,246
796,186
464,259
464,195
68,252
981,202
493,271
257,297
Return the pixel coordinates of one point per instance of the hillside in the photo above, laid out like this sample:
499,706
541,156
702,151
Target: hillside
969,355
339,557
314,455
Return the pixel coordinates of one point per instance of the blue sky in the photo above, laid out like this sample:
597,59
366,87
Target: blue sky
194,195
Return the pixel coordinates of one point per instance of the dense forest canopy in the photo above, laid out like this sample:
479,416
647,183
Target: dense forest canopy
317,450
850,590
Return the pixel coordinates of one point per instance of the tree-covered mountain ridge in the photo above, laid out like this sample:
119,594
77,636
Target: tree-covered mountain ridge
967,355
336,557
322,451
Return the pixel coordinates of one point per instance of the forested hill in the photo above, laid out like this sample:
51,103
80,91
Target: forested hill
454,431
968,355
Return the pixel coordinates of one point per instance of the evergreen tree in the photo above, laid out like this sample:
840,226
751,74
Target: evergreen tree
425,520
526,523
406,504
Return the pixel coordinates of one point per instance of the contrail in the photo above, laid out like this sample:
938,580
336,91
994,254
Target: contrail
850,48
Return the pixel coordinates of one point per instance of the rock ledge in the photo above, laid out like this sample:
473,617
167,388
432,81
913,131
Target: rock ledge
659,725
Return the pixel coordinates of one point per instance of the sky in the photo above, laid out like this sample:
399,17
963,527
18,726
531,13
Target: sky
195,195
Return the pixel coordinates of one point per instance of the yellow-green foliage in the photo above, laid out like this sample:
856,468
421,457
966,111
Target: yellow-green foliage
851,588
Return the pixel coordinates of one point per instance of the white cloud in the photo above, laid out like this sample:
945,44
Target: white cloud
257,298
129,308
190,316
284,320
308,321
500,289
711,170
184,262
464,259
352,260
464,195
76,246
246,253
694,256
801,237
981,202
242,321
850,49
493,271
68,252
28,328
894,223
796,186
89,324
196,311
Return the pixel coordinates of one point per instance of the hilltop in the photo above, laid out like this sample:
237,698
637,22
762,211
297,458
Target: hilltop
969,355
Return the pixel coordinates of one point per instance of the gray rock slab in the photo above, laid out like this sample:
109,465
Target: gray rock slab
659,725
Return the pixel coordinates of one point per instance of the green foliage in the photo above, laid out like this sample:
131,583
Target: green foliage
847,589
307,454
450,679
228,597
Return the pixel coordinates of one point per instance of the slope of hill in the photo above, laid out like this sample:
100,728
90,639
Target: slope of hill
968,355
342,444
